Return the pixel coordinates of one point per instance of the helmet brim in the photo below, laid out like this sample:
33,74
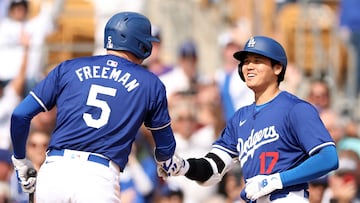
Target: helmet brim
240,55
153,39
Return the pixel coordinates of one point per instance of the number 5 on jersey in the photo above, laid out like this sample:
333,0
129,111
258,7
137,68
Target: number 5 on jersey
92,100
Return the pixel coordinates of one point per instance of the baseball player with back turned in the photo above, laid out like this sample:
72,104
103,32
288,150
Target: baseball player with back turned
101,103
280,141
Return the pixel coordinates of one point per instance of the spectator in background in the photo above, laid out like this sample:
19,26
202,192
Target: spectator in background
350,143
45,121
344,182
234,183
139,178
334,123
4,5
190,142
4,193
352,128
11,93
209,109
319,94
234,92
317,189
37,28
294,82
36,147
185,76
6,169
349,19
170,195
155,63
5,165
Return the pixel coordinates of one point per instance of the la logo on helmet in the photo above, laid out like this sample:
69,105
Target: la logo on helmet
251,42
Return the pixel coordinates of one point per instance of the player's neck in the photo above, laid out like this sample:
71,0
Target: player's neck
126,55
266,96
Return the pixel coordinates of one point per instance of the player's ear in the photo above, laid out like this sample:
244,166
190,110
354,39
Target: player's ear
277,68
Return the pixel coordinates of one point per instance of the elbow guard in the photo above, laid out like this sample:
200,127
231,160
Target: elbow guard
210,169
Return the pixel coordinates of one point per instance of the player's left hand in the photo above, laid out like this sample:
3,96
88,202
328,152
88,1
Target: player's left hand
174,166
262,185
22,167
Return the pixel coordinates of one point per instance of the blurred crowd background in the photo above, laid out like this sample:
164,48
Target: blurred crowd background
194,60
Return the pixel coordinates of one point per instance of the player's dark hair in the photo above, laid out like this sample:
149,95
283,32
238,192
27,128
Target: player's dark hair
282,73
24,3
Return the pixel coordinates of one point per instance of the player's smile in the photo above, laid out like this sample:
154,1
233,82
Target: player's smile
252,65
251,75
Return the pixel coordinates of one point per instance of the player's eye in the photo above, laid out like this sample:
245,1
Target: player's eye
246,61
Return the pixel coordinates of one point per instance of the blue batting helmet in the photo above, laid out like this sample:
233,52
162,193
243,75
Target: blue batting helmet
264,46
129,31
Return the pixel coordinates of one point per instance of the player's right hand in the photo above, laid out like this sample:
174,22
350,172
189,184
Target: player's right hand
243,196
262,185
175,166
22,167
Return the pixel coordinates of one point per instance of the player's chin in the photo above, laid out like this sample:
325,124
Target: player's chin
250,81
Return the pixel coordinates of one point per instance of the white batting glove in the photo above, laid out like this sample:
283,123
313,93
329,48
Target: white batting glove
175,166
262,185
22,167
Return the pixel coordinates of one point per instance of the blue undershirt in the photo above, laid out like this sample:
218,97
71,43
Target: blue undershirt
20,124
313,167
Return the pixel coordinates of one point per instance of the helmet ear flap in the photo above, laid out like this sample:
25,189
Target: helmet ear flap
144,49
240,71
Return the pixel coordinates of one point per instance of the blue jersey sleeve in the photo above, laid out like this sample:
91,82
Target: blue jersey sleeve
312,133
158,116
47,90
227,142
20,124
158,121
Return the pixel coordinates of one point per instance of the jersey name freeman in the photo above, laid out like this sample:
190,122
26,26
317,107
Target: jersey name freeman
254,141
115,74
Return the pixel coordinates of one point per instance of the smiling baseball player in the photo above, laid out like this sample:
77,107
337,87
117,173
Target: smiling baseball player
101,103
280,141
